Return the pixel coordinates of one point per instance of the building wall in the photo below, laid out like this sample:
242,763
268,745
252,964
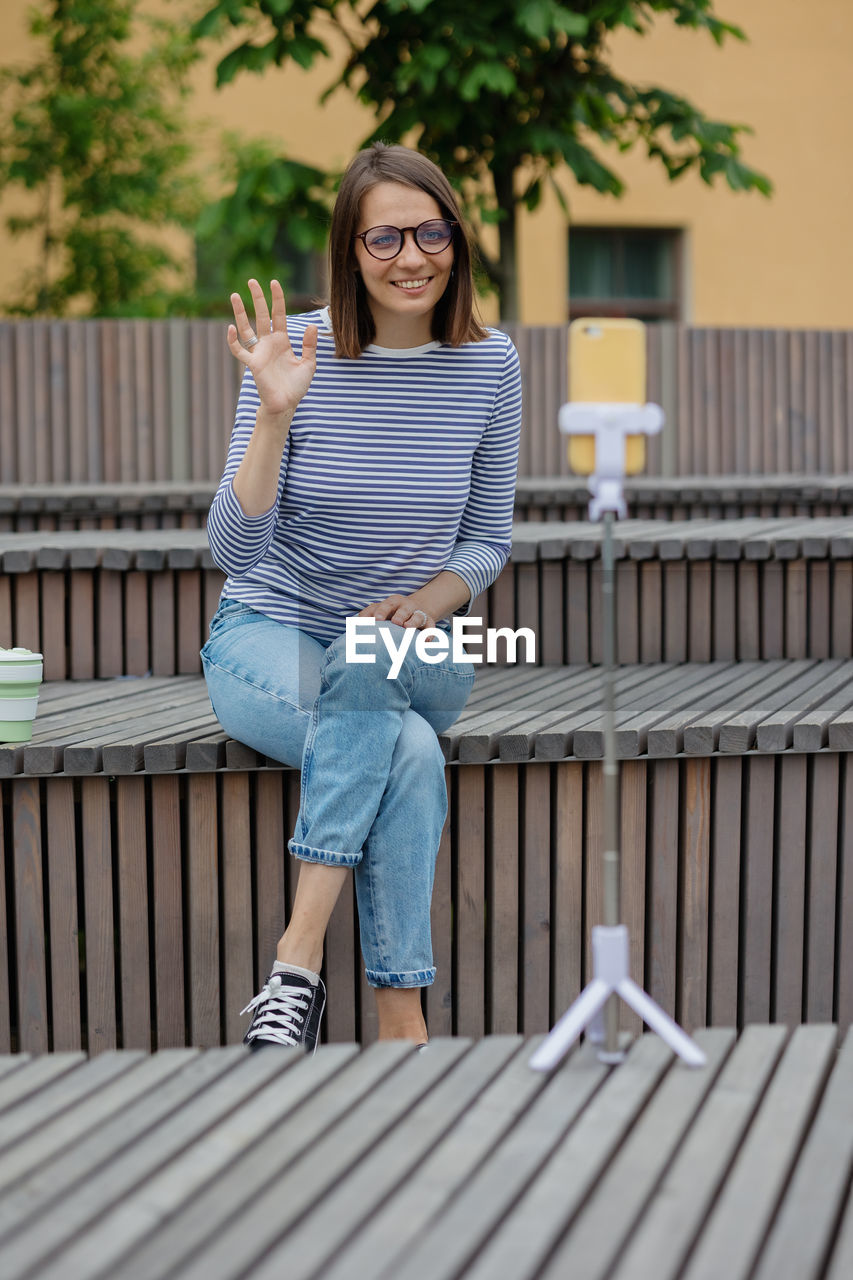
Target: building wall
749,261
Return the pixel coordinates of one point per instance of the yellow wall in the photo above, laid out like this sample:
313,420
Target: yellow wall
749,261
786,261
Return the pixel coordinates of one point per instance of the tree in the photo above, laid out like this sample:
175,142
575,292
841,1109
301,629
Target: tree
94,132
274,214
500,93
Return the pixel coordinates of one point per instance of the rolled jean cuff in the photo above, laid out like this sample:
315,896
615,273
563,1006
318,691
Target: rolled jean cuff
327,856
410,978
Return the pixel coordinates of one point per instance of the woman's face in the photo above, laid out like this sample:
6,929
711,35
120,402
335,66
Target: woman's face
403,291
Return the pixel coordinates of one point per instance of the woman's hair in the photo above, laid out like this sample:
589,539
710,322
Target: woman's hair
453,320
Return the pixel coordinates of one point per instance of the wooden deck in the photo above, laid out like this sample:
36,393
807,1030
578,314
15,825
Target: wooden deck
459,1162
138,842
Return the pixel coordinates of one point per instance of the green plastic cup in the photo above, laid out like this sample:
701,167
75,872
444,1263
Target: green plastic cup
21,673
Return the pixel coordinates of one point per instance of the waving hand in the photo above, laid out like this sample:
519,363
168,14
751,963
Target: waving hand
281,377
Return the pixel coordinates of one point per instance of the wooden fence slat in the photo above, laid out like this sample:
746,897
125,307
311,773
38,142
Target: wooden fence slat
29,916
790,903
503,887
757,878
129,453
823,867
567,899
191,625
270,855
53,613
98,897
661,962
535,886
203,925
470,922
633,870
133,912
844,956
237,965
168,905
694,892
137,624
142,408
40,336
59,397
725,891
64,926
10,467
109,625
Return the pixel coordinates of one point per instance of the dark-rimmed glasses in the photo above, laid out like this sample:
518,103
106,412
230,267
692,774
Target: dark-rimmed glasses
386,242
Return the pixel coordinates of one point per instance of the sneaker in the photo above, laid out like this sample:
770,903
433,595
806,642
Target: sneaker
286,1012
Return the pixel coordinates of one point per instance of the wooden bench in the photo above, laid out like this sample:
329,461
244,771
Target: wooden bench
147,879
126,602
173,504
735,497
131,505
459,1162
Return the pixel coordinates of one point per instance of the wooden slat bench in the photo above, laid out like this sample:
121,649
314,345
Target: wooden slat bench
735,497
145,877
386,1164
173,504
131,505
126,602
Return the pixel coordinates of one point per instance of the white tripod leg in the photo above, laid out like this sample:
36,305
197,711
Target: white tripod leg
661,1023
565,1032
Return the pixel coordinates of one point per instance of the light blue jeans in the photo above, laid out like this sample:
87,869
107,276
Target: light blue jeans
372,792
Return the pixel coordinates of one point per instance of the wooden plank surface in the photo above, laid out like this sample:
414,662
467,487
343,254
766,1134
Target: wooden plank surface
749,538
461,1162
549,713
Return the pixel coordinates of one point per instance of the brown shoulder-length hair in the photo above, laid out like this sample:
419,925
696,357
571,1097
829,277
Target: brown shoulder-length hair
453,320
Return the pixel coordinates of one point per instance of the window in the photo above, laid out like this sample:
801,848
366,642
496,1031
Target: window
625,271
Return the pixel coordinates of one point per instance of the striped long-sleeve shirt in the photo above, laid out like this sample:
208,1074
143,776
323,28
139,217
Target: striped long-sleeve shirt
398,464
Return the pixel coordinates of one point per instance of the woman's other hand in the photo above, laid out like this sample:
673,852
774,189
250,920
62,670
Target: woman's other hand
281,377
400,609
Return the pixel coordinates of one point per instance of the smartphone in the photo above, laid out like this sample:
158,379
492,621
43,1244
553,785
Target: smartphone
607,362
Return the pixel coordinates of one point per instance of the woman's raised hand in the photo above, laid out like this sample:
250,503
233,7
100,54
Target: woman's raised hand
281,377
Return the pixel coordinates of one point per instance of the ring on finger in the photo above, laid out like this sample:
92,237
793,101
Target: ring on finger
422,614
251,342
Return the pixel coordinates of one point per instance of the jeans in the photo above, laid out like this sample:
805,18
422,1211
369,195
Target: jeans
372,794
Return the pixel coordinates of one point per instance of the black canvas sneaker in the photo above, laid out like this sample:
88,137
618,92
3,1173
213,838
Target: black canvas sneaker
286,1013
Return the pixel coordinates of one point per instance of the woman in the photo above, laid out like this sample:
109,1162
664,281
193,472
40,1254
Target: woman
371,473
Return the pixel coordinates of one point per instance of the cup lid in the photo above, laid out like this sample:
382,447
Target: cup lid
18,655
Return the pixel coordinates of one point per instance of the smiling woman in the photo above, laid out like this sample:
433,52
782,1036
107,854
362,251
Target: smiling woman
370,475
395,190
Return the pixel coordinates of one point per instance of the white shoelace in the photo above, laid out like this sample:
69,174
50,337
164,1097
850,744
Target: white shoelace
283,1015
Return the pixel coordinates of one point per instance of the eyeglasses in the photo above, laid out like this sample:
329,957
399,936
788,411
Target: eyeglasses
387,242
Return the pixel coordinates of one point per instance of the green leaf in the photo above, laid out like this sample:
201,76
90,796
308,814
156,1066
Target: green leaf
493,76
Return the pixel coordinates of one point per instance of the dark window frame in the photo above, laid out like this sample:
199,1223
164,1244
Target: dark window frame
653,309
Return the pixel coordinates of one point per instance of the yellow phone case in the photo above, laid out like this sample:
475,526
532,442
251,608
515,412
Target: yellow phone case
607,363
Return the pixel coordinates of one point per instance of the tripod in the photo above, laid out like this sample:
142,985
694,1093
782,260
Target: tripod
597,1007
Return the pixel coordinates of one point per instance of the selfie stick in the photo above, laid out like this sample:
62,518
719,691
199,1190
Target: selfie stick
610,425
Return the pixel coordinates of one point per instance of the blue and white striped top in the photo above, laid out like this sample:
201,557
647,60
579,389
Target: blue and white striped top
397,465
